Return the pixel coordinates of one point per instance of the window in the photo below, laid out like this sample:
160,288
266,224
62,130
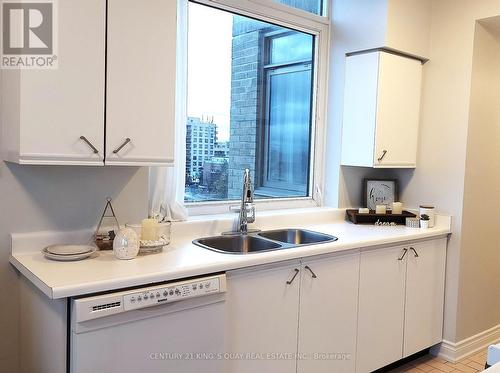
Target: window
311,6
251,93
286,128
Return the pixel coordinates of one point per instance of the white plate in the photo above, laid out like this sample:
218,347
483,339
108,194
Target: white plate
69,249
67,258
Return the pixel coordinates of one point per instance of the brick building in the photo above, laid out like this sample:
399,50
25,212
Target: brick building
249,57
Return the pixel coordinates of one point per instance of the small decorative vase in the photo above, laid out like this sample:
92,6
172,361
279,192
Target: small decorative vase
126,244
430,212
424,224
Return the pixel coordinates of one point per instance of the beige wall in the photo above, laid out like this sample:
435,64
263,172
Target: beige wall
55,197
370,19
440,174
359,25
447,34
408,25
478,303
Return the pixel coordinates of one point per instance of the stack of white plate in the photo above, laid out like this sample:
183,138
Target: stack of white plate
68,252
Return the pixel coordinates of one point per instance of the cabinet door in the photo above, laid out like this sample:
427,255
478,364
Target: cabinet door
424,295
328,314
56,107
381,308
140,105
360,109
262,319
398,111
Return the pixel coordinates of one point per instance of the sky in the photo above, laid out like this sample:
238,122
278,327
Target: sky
209,65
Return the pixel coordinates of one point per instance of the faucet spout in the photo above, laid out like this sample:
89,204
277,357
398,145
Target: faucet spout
246,204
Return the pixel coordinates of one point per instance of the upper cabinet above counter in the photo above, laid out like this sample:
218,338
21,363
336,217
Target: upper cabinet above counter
140,103
385,43
381,110
111,101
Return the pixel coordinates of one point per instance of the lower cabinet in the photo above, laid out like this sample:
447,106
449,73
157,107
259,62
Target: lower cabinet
425,276
294,317
381,308
328,314
262,315
401,293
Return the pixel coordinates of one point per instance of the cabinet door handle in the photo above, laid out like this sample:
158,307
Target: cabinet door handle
414,252
127,140
384,152
404,253
94,149
310,270
289,282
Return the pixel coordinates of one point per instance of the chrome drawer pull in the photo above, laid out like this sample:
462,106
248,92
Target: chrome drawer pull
383,155
404,253
94,149
310,270
289,282
127,140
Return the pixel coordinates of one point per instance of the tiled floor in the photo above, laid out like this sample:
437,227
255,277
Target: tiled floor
431,364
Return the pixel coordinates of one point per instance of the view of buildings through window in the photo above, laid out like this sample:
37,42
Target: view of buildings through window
249,106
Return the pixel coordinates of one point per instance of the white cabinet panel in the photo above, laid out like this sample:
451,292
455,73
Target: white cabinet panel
424,295
46,111
381,308
328,314
381,110
58,116
141,82
360,110
398,109
262,318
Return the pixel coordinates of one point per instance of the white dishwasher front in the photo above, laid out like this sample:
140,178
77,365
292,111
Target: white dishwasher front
174,327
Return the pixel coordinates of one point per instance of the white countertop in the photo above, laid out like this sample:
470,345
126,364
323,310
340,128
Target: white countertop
182,259
493,369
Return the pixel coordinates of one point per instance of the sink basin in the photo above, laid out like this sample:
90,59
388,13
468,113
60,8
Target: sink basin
237,244
297,236
263,241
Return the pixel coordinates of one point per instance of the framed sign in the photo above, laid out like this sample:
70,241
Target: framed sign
380,192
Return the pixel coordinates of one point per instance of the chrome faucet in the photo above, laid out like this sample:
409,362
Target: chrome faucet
246,205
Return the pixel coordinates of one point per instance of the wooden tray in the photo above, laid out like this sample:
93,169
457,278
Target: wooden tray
371,218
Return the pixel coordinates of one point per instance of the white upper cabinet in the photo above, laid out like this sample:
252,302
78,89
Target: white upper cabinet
140,108
381,110
112,98
57,116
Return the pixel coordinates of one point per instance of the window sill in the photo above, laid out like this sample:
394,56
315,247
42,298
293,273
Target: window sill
220,217
222,207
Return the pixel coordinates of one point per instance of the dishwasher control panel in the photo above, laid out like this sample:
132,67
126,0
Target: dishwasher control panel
173,292
94,307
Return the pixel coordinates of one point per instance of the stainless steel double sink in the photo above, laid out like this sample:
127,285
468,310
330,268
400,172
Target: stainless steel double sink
263,241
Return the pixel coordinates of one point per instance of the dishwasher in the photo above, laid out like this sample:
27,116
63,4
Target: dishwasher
174,327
